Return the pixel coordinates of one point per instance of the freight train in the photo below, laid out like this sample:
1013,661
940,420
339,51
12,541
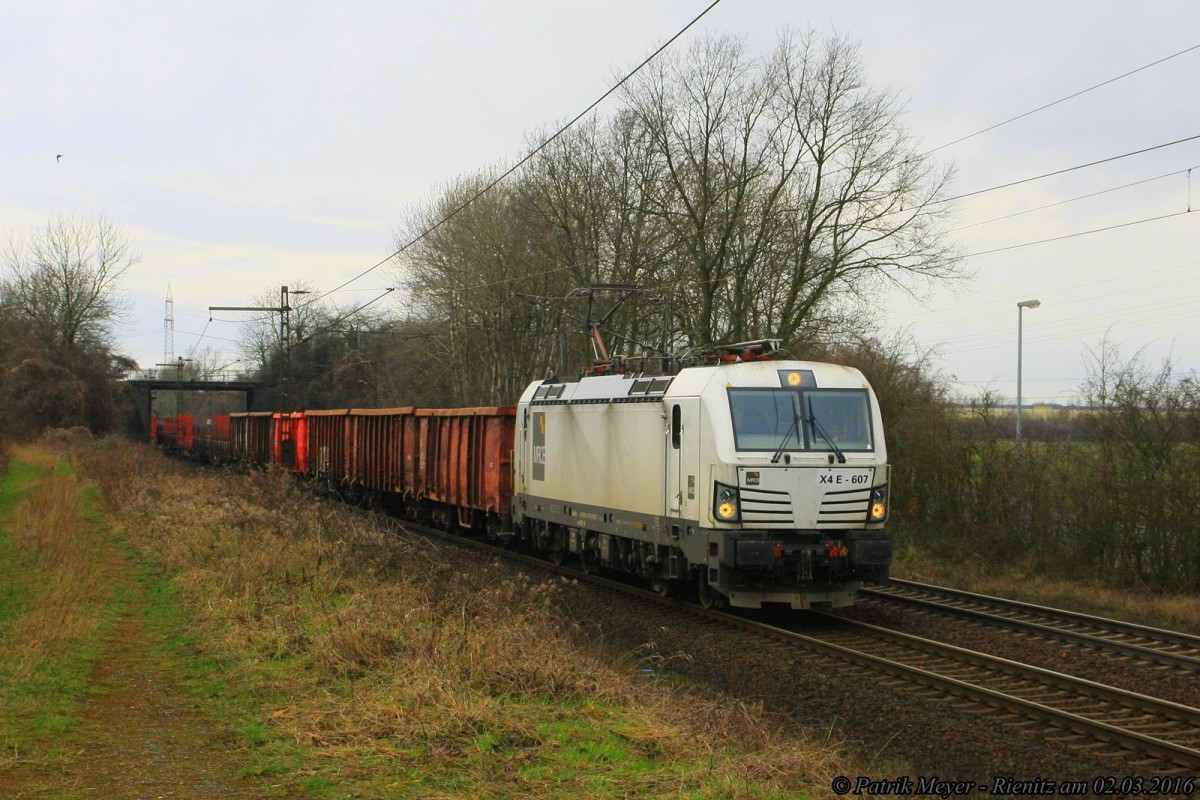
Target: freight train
749,480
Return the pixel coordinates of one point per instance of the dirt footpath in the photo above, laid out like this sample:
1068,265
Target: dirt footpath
139,736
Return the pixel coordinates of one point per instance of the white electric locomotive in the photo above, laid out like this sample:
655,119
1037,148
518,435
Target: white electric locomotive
759,481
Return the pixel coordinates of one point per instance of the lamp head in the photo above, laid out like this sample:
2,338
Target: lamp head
1029,304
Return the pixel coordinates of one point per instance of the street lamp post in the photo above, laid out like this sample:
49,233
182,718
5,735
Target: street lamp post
1021,306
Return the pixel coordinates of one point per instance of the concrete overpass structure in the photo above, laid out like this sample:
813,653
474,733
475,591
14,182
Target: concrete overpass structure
145,384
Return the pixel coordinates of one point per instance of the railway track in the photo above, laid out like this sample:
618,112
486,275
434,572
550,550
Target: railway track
1168,648
1091,718
1086,712
1098,721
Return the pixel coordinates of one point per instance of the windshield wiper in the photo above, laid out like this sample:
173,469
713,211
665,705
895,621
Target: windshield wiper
820,429
787,436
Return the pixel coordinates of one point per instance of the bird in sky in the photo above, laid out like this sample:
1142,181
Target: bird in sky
59,157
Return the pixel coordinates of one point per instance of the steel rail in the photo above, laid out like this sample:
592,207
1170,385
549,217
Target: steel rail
1179,755
1181,751
1170,648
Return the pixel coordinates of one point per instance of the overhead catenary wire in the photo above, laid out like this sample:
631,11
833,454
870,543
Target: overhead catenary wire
1074,300
548,141
199,339
342,318
1061,100
683,283
1066,170
651,57
210,336
633,72
1073,325
1081,197
529,156
1107,327
514,279
1079,233
1148,310
1142,312
1049,105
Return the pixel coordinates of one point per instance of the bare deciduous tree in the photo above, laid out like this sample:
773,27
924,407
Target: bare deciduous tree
757,196
589,196
462,280
65,282
788,184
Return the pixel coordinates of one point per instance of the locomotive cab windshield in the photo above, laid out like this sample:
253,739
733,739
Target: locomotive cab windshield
831,420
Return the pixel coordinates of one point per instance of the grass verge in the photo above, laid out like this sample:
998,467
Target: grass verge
58,596
1028,582
349,662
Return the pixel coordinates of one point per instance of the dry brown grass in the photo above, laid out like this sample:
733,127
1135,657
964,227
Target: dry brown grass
1030,584
49,527
368,643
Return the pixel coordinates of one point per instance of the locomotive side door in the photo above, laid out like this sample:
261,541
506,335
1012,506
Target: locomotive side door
683,461
521,456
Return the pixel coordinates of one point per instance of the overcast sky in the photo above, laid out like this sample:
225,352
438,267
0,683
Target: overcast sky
247,145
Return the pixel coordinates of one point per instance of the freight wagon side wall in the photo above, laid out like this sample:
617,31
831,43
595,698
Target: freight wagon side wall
378,436
218,441
328,432
170,426
261,437
253,434
290,440
410,455
187,432
301,434
494,462
463,457
237,436
212,439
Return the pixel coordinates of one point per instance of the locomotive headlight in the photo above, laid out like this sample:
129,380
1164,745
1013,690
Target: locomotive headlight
726,507
879,504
